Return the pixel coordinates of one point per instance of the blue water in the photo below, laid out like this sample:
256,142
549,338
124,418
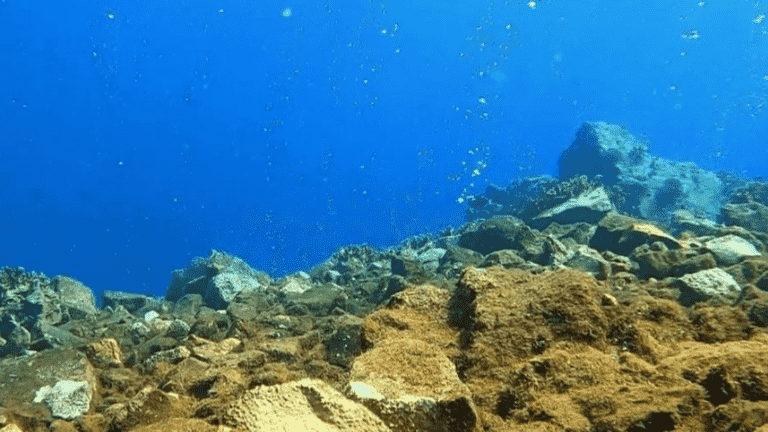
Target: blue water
137,135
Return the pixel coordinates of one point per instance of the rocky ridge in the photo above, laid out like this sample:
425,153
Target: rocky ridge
629,294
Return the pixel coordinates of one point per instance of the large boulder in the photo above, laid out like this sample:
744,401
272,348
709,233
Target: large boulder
653,186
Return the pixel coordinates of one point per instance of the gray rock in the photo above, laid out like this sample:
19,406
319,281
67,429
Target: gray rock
752,216
77,300
506,258
131,302
589,260
223,288
172,356
708,284
588,207
654,187
294,285
178,329
67,399
683,220
199,277
430,258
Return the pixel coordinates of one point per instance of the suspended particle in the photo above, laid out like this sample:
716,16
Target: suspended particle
693,34
532,5
286,13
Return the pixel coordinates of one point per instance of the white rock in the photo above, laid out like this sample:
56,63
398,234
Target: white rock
730,249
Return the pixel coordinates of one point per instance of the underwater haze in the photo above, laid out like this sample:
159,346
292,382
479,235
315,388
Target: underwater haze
137,135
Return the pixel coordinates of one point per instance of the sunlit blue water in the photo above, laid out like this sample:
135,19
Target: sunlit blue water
136,135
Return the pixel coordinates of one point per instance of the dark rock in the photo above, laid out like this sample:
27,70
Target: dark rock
345,343
498,233
409,269
752,216
131,302
622,234
457,258
506,258
321,300
188,306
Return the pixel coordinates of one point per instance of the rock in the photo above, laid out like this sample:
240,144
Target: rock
178,329
622,234
67,399
294,285
223,288
506,258
219,278
22,377
131,302
76,299
752,216
408,268
683,220
588,207
602,148
429,259
455,259
731,249
708,284
656,261
105,354
308,404
345,343
653,187
37,312
411,385
148,406
498,233
589,261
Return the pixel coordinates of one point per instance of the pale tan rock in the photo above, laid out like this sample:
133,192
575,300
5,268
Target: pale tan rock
413,386
105,353
307,405
148,406
11,427
183,425
208,350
